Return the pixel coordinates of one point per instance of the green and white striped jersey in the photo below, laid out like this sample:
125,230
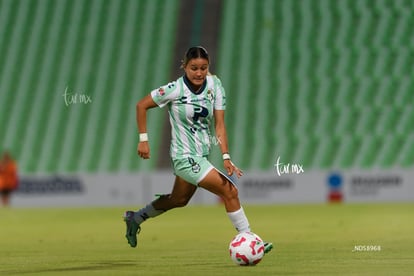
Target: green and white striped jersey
190,114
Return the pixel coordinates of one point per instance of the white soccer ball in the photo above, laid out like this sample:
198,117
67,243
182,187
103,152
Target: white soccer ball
246,248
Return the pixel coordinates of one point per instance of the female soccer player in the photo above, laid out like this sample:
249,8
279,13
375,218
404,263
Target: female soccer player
193,101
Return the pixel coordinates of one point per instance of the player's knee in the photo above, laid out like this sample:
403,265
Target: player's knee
231,193
234,193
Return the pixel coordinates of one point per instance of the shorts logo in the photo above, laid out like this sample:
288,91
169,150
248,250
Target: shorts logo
195,167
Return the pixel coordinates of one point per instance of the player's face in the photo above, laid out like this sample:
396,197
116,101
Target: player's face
196,71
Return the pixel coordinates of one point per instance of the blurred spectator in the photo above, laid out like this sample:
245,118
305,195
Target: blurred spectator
8,177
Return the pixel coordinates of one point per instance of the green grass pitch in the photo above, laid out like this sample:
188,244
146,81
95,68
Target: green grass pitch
309,240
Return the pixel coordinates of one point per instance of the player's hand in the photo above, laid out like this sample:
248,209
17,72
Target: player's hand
143,150
231,168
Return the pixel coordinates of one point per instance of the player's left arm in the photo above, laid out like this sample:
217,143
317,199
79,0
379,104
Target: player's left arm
222,139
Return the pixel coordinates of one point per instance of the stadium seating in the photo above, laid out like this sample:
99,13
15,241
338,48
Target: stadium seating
322,83
326,84
114,52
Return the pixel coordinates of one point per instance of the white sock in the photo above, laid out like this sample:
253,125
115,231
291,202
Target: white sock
147,212
239,220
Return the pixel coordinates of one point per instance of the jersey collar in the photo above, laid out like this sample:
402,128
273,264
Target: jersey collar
189,86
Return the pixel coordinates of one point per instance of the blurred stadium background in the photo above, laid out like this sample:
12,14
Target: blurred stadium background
325,84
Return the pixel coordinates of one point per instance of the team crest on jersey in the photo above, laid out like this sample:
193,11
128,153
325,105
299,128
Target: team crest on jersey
210,95
161,91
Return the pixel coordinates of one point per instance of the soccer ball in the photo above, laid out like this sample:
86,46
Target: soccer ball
246,248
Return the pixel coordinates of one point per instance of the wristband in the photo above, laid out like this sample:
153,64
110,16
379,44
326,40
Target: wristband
143,137
226,156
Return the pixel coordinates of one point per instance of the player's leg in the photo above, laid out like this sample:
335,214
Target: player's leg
218,184
222,187
181,194
179,197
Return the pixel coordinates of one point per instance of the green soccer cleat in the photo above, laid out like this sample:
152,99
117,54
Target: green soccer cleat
133,228
267,247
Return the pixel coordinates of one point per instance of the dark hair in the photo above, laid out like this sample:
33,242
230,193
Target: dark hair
195,52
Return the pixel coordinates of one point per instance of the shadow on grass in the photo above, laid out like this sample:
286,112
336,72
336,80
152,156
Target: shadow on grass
110,265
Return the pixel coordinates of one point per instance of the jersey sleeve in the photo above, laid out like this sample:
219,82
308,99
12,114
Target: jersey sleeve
220,95
165,94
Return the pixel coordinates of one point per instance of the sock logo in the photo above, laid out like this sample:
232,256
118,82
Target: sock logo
144,216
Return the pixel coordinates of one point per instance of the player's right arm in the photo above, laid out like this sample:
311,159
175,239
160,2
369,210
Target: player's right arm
141,116
158,97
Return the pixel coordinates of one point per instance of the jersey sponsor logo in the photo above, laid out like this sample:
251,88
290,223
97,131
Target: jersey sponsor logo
199,112
186,100
183,99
